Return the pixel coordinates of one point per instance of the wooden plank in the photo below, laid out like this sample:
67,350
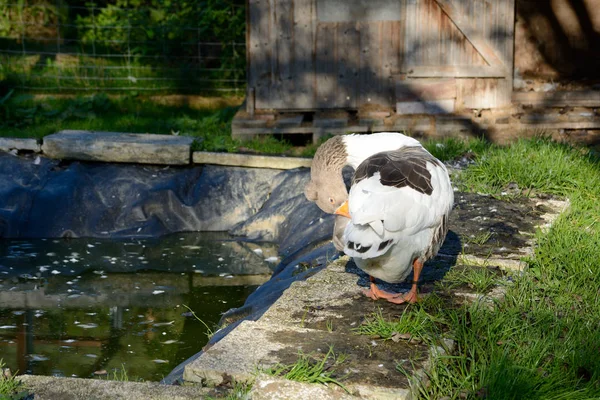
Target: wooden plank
456,71
259,52
283,79
584,98
425,89
303,92
369,75
411,38
561,125
390,58
464,24
348,64
325,65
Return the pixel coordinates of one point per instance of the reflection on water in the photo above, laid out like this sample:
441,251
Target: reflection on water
72,308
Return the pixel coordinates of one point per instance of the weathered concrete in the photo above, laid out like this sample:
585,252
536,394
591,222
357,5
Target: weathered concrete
250,161
269,388
53,388
312,316
8,144
118,147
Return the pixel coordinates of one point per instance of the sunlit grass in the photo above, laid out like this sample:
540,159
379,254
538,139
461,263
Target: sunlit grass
542,340
480,279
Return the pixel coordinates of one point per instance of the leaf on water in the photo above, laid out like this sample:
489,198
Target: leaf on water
88,326
160,361
158,291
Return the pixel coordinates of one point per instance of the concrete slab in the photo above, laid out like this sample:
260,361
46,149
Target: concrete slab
250,160
118,147
8,144
311,317
53,388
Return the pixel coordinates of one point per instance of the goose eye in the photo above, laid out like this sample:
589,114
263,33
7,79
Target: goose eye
331,200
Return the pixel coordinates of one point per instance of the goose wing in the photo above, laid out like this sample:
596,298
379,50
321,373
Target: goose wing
395,194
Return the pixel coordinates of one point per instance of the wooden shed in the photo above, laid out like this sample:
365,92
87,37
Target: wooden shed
373,59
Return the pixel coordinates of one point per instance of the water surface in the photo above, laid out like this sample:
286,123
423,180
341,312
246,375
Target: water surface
88,307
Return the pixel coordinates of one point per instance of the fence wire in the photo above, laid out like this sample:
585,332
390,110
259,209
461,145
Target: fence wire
74,46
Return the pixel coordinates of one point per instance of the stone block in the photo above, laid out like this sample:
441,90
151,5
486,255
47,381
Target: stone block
118,147
8,144
252,161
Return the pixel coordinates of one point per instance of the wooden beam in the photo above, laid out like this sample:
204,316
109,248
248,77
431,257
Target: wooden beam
583,98
463,23
455,71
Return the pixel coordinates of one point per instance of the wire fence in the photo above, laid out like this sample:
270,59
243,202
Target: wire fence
188,46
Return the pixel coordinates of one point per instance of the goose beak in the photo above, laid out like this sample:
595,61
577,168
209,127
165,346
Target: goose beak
343,210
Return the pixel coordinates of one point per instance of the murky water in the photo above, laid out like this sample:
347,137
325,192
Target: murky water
88,307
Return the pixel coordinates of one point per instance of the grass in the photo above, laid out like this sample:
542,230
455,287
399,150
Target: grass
10,387
480,279
28,116
452,148
311,369
542,341
209,332
414,322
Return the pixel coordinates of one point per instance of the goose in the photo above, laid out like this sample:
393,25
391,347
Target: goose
395,217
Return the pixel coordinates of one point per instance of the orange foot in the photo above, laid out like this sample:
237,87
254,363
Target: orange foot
397,298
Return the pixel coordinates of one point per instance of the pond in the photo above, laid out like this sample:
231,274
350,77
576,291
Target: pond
95,308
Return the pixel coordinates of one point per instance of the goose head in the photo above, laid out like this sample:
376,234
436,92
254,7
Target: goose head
326,187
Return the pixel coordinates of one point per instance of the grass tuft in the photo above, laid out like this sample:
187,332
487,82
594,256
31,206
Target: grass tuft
414,321
311,369
11,388
480,279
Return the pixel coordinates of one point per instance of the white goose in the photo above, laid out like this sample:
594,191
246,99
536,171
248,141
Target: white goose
398,204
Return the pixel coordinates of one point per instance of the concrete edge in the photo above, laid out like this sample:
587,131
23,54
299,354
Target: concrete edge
198,157
250,160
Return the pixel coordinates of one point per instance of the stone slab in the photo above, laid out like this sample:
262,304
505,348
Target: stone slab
249,160
8,144
118,147
53,388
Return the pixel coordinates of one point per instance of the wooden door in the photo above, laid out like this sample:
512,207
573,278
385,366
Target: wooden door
323,54
459,54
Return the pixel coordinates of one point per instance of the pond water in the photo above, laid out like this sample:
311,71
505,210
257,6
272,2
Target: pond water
90,308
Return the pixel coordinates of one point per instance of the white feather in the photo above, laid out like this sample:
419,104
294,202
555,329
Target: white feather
390,226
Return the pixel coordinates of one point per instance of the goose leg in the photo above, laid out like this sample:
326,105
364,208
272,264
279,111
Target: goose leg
411,297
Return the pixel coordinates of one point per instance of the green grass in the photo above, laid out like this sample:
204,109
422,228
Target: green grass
543,340
27,116
311,369
414,322
11,388
479,279
451,148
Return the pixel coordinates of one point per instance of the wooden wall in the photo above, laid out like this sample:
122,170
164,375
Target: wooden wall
323,54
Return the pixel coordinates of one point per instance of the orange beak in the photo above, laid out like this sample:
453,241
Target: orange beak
343,210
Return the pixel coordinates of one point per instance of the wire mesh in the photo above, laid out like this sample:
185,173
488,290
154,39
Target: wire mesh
188,46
